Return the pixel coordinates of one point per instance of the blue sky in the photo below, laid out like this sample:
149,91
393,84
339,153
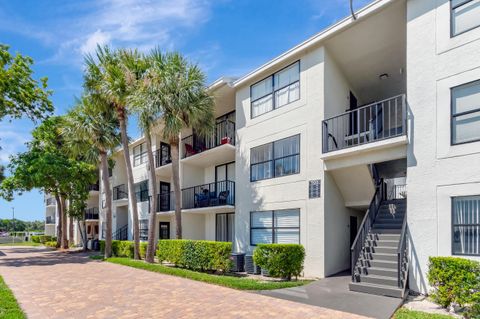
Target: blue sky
225,37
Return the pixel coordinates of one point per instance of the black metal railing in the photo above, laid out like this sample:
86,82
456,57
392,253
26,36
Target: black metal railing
50,220
120,192
94,187
397,191
366,225
224,133
166,202
162,159
50,201
91,213
121,233
208,195
142,195
377,121
402,254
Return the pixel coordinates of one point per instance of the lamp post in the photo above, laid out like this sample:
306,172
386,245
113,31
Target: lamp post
13,222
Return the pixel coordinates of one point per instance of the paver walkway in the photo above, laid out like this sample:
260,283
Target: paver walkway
51,284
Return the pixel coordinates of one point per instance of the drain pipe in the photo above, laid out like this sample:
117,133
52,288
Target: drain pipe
352,11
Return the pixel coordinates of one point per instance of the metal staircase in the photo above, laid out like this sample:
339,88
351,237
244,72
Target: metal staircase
379,253
121,233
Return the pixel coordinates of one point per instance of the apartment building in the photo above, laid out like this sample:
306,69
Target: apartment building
321,145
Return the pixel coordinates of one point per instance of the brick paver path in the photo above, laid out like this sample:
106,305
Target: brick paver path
51,284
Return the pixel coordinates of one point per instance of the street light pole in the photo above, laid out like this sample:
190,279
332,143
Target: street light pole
13,221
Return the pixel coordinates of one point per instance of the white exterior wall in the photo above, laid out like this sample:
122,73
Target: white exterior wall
436,170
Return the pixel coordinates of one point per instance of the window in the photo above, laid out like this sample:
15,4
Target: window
277,226
141,191
465,16
276,91
225,227
143,228
466,225
139,154
465,126
276,159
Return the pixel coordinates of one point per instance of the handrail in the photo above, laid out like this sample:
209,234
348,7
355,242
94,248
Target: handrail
401,249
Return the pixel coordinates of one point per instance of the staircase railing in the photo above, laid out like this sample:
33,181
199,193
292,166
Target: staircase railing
121,233
366,225
402,250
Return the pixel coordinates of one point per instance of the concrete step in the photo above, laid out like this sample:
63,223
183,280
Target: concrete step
376,230
378,263
381,243
388,219
381,249
377,289
380,280
378,236
390,216
387,226
377,271
380,256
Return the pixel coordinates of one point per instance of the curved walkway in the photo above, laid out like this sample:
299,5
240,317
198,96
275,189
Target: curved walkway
50,284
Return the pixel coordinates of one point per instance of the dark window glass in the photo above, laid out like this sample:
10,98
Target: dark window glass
278,226
466,225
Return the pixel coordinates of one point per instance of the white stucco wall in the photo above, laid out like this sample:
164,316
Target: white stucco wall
436,170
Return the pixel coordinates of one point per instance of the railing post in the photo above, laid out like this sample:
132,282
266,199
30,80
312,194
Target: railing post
404,115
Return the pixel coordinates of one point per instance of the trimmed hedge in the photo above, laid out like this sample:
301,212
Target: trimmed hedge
280,260
199,255
52,244
124,248
456,281
42,239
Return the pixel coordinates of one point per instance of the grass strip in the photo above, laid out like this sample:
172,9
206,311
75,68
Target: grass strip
9,308
240,283
404,313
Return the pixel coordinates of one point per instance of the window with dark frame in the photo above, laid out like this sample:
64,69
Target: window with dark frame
143,229
275,159
465,108
275,226
225,227
466,225
139,154
141,191
275,91
464,16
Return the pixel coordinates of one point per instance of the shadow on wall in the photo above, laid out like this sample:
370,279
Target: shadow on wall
411,159
416,279
422,7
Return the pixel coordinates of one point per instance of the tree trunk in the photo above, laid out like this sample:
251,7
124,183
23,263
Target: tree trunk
59,221
108,203
132,200
176,184
64,241
71,238
83,233
152,189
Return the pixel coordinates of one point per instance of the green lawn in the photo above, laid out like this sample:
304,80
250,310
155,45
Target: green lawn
240,283
9,308
404,313
26,243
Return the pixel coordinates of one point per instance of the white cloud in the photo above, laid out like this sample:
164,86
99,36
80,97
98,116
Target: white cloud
97,38
13,139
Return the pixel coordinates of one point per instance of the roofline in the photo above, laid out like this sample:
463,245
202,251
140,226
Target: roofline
224,80
315,39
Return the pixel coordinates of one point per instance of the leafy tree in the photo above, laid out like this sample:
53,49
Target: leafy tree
111,75
20,94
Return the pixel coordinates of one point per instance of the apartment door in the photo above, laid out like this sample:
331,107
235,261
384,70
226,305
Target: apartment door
164,154
164,230
224,178
353,229
164,197
353,126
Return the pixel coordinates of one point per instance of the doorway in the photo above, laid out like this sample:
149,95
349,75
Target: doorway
353,229
164,202
164,230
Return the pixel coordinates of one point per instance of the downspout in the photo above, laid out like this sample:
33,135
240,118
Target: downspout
352,11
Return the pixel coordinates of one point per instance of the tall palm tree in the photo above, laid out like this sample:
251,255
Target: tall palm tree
92,130
111,75
177,87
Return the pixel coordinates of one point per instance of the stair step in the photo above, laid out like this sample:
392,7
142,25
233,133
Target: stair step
378,236
376,230
380,256
382,243
378,263
380,280
387,220
387,272
387,226
381,249
377,289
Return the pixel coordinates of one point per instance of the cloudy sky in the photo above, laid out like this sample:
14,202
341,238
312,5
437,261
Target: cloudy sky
225,37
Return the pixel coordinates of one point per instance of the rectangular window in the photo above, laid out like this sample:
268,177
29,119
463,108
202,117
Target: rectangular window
466,225
139,154
276,90
143,228
465,16
277,226
465,113
276,159
225,227
141,191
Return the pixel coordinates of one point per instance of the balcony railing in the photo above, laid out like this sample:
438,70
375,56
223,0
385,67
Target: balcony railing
224,133
165,202
208,195
93,187
162,156
50,220
91,213
50,201
119,192
377,121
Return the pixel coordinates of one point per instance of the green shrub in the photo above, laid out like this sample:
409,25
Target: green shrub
42,239
280,260
120,248
455,281
52,244
143,249
36,239
196,254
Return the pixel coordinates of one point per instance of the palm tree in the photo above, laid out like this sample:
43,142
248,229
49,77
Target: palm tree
177,88
112,76
91,130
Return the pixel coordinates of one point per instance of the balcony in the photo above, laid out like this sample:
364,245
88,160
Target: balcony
209,195
375,122
93,187
91,213
222,137
50,220
50,201
165,202
119,192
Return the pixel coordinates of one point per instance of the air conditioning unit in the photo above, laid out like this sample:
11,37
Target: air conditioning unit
238,262
250,266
